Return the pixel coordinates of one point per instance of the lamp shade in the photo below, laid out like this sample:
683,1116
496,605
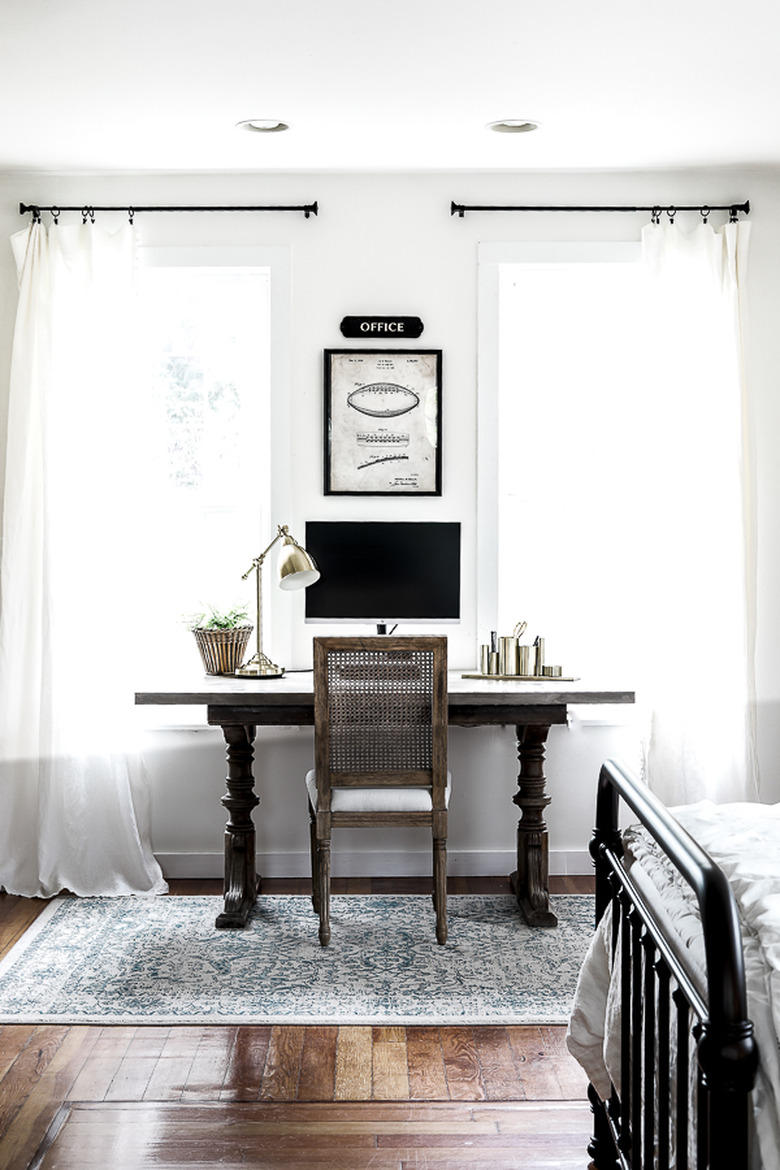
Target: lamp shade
296,567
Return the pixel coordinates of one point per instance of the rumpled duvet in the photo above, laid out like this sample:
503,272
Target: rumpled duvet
744,840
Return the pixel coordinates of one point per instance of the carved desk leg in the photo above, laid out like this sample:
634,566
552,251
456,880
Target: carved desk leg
530,883
240,799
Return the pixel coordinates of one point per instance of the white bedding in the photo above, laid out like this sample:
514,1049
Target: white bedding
744,840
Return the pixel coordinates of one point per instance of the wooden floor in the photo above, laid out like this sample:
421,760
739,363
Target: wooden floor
287,1096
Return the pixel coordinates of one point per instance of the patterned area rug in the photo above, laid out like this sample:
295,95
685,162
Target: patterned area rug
161,961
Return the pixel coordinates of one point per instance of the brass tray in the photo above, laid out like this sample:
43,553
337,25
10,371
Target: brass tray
548,678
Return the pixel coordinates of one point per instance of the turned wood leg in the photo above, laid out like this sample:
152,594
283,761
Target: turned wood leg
530,882
241,882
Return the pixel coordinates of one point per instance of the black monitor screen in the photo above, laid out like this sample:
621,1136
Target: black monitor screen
384,571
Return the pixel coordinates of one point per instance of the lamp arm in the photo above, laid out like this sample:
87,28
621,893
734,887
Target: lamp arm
257,563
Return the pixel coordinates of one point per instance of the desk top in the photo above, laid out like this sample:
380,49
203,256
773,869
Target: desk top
295,689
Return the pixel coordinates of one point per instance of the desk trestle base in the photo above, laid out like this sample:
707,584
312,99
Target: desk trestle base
241,881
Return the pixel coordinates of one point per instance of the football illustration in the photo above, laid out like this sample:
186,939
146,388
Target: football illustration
383,399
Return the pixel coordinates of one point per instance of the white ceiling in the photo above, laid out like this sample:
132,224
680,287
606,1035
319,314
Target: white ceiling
158,85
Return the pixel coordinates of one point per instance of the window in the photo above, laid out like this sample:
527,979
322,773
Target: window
564,395
612,485
204,465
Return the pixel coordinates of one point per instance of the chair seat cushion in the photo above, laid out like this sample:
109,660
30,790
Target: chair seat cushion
411,799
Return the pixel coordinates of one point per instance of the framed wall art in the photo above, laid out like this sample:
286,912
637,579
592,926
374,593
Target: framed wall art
383,422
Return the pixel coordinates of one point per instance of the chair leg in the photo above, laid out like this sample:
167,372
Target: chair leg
440,888
313,851
323,890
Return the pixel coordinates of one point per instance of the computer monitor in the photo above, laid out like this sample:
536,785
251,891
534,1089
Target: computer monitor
384,572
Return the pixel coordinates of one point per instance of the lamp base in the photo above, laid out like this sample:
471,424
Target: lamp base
259,666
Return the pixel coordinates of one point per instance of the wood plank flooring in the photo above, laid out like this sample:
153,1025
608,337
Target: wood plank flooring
288,1096
551,1135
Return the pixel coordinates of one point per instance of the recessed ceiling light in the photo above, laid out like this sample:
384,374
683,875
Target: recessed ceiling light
263,125
513,126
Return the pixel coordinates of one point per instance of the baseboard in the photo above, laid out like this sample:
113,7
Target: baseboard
375,863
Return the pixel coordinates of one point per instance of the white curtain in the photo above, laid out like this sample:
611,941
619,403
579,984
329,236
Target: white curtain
74,801
698,620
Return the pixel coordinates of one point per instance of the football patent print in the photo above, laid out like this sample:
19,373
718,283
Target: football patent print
383,399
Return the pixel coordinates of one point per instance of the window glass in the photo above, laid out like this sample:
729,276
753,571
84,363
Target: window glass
204,360
572,435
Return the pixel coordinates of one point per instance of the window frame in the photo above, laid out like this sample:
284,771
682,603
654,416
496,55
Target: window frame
492,258
274,480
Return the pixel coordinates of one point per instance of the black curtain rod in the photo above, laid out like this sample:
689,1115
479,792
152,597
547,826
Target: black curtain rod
732,208
88,210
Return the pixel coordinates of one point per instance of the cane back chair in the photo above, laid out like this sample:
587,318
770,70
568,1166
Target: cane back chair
380,735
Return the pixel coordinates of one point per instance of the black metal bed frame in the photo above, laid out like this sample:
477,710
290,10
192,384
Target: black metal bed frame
650,1123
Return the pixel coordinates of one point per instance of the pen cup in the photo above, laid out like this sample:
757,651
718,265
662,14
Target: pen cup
507,655
526,660
484,659
539,656
493,662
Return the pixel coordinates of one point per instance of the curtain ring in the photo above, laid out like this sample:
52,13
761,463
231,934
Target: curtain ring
656,215
704,212
36,214
87,213
130,214
55,215
733,214
671,212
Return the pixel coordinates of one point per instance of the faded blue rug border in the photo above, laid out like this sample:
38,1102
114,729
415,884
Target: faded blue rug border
161,961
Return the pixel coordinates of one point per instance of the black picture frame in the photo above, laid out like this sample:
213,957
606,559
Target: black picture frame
382,422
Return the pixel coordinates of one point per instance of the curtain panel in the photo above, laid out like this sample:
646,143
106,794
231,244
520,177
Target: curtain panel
74,794
698,626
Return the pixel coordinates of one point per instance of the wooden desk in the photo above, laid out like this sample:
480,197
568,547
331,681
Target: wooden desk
239,706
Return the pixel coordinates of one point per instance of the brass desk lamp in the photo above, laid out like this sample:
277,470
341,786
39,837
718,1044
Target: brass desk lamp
297,570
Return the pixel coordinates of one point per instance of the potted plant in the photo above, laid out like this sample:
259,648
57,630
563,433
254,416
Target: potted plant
221,637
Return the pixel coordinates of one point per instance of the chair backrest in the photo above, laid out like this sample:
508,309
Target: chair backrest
380,713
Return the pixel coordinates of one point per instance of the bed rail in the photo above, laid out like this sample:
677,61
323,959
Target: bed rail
648,1123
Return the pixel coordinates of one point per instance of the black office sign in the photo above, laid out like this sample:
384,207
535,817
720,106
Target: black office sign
385,327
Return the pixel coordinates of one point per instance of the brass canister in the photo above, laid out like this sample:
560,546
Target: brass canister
507,656
526,660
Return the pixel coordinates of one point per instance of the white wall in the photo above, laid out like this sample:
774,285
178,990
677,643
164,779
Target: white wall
381,244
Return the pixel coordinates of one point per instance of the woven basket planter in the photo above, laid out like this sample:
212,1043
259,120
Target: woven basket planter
223,651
